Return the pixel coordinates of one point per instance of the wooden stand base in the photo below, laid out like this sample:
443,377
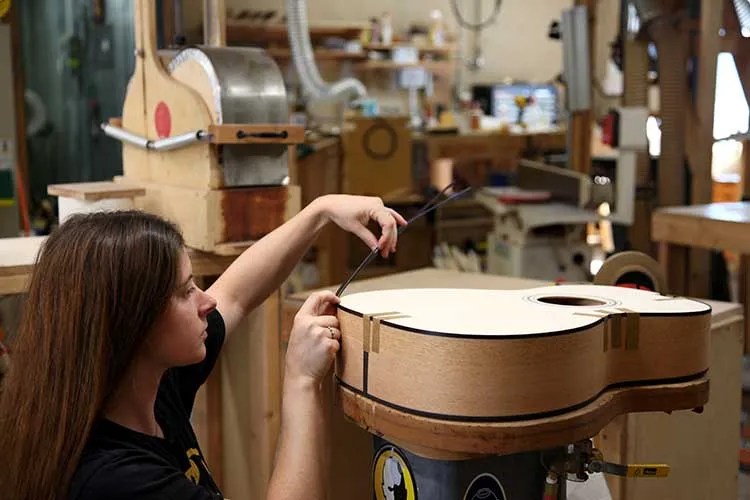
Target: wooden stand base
453,440
221,221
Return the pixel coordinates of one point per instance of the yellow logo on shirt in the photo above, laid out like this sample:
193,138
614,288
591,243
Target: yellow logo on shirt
193,473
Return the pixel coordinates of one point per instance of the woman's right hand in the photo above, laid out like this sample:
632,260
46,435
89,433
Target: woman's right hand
314,340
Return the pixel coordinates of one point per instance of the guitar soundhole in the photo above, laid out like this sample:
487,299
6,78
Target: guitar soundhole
571,301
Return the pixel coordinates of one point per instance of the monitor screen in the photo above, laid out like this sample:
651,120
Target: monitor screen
505,109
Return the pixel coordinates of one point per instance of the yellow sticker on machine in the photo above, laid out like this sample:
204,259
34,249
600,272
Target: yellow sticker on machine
392,478
648,470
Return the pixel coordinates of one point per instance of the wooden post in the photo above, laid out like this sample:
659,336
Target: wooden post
22,163
671,42
581,121
700,137
251,395
739,46
214,23
168,25
635,93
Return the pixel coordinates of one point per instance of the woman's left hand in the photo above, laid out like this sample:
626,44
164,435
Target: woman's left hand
353,213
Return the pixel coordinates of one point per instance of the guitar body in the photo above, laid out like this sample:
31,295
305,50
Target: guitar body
456,371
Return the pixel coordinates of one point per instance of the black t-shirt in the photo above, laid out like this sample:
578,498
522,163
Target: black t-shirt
119,463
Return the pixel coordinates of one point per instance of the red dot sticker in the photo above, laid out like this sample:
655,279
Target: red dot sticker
162,120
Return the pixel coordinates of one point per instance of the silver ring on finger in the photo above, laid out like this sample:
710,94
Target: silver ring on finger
330,330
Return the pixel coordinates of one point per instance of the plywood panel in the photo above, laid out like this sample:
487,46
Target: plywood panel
251,392
701,448
210,218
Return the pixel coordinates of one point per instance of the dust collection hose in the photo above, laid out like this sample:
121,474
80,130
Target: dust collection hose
313,86
742,8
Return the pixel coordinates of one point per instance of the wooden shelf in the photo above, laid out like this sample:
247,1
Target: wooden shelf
320,54
249,33
426,49
435,66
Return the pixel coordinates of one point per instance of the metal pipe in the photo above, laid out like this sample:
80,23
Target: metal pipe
124,136
178,141
168,144
742,8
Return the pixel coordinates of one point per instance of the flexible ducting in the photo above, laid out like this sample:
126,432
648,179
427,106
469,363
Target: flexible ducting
742,8
313,85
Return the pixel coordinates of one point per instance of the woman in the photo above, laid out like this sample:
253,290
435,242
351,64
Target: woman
116,339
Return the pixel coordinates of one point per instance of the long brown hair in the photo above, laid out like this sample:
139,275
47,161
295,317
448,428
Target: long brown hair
99,283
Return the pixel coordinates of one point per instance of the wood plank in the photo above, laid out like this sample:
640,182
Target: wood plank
235,248
155,96
22,161
635,93
255,133
743,285
721,226
168,23
214,423
318,174
701,448
672,41
320,54
12,285
581,141
17,255
674,261
211,217
247,33
208,264
94,191
528,435
251,391
712,14
582,121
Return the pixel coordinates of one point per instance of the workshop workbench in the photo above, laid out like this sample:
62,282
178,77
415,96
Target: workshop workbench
701,448
717,226
17,257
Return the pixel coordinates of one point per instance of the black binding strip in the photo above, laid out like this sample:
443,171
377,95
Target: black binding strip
513,336
365,371
528,416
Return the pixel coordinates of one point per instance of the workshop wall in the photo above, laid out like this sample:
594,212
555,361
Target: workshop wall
516,46
78,68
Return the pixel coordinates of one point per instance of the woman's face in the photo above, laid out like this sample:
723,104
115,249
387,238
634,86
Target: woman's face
178,336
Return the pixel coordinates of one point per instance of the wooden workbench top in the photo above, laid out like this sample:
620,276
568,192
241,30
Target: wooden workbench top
729,211
714,225
18,255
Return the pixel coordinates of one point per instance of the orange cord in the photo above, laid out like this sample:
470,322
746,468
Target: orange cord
23,204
